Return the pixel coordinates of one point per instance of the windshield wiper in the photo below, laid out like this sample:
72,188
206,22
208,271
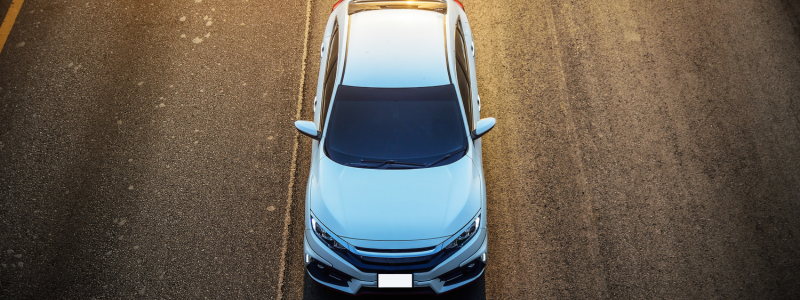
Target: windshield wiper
387,163
446,157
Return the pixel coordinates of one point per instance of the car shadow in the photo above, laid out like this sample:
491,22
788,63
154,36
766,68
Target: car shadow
473,291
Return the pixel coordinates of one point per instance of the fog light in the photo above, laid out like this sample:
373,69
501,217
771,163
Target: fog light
483,257
320,266
470,266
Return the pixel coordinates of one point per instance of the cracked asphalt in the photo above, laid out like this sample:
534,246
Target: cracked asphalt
644,149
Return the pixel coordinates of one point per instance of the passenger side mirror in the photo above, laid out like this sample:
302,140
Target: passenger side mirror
308,128
483,126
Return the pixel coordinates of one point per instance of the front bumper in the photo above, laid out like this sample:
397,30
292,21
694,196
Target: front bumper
336,273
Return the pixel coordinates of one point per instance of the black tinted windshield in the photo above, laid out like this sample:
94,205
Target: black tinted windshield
414,127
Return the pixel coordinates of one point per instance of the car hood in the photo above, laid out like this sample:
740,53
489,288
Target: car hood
395,205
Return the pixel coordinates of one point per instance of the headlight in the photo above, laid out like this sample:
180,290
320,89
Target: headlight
466,235
324,236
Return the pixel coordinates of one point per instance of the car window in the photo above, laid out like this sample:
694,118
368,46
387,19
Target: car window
414,125
462,73
330,74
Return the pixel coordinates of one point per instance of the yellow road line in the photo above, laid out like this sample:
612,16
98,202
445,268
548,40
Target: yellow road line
8,22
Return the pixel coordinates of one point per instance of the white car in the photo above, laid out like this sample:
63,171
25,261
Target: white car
396,200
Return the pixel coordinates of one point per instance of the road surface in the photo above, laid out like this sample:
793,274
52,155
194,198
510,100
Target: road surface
644,149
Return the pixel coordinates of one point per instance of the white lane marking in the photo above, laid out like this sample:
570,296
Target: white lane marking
287,219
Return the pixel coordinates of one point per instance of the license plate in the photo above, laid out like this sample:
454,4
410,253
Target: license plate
395,281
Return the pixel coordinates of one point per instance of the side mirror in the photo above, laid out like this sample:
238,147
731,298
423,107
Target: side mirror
483,127
308,128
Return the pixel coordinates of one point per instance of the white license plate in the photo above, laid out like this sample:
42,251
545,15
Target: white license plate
395,281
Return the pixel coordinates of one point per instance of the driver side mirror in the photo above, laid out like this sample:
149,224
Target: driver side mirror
483,127
308,128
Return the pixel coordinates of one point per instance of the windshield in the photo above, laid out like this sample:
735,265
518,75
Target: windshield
395,127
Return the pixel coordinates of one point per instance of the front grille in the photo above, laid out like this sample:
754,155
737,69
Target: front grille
396,261
402,265
394,292
396,250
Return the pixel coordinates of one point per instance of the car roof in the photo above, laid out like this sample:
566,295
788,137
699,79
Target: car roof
394,48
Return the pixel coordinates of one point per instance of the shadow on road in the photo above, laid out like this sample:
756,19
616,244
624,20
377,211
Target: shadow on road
792,8
474,291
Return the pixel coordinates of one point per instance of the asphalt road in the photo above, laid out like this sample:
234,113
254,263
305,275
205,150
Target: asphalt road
146,147
644,149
